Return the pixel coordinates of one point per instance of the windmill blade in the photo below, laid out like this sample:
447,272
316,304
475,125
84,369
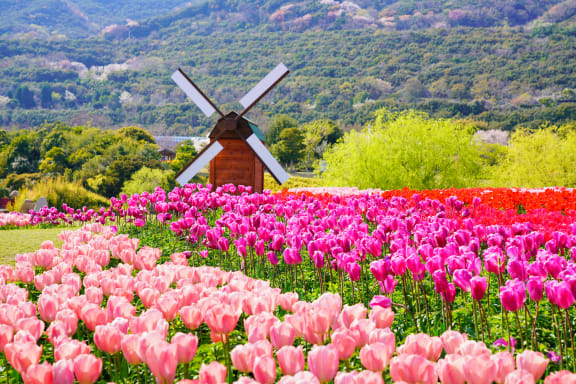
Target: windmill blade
204,157
263,87
266,157
194,93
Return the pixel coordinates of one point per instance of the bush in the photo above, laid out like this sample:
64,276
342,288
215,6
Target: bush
293,182
146,179
59,191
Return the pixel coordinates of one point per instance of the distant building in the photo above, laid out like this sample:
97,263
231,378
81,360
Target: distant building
168,144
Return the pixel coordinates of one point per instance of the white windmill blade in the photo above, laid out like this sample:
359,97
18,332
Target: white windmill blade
266,157
203,158
194,93
263,87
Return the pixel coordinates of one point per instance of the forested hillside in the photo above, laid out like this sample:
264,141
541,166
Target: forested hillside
502,63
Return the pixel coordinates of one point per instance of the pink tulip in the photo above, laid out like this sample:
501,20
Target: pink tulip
222,318
213,373
93,315
63,372
129,345
290,359
384,336
451,340
364,327
162,359
480,370
382,317
169,305
413,369
6,335
48,307
108,338
422,344
69,319
451,369
473,348
478,286
513,295
186,344
533,362
32,325
87,368
561,377
345,341
38,374
520,376
70,350
287,300
374,357
504,365
265,370
282,334
351,313
323,362
22,355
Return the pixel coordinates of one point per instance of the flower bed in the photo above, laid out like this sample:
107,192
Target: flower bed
102,309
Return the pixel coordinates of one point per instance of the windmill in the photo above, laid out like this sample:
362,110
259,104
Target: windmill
236,152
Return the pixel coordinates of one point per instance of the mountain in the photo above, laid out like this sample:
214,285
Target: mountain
59,19
504,64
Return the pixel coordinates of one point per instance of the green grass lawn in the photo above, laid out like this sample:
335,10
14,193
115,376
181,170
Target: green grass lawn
14,241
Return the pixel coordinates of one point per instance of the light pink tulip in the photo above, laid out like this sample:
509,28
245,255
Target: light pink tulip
87,368
130,344
413,369
70,350
374,357
533,362
213,373
451,369
222,318
480,370
191,317
108,339
323,362
303,377
48,306
38,374
422,344
520,376
345,341
162,359
264,369
22,355
63,372
384,336
6,335
382,317
451,340
561,377
186,346
351,313
282,334
290,359
504,365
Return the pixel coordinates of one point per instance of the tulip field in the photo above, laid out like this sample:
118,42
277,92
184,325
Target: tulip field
341,286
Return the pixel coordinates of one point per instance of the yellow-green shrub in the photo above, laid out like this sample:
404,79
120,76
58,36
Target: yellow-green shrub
59,191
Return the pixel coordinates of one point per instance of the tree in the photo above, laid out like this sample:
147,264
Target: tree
138,134
185,152
46,96
317,136
288,149
146,179
279,123
545,157
407,149
25,97
55,161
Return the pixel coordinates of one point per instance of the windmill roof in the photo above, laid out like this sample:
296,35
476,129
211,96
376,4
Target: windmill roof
256,130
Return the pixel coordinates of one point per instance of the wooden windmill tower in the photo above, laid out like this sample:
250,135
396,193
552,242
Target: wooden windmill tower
236,152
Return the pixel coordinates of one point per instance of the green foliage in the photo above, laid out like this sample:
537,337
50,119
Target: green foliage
317,137
280,123
16,181
185,152
289,148
146,179
59,191
136,133
541,158
407,149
